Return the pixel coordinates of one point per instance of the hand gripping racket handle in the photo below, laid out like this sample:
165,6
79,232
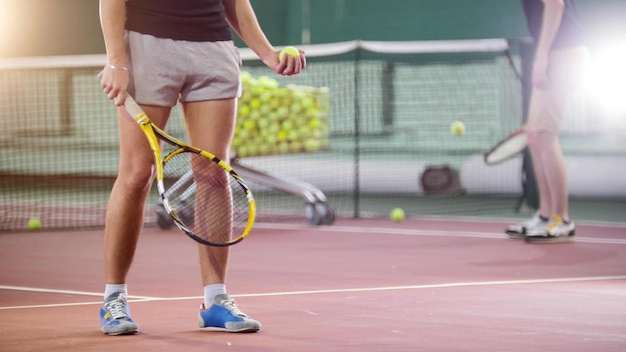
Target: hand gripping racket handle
130,105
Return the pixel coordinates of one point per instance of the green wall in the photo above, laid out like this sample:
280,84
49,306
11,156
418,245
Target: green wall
412,20
344,20
65,27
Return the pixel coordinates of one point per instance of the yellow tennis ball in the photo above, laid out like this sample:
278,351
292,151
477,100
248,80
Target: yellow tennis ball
457,128
34,224
288,50
397,215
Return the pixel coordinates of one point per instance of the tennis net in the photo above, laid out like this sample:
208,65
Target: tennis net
383,112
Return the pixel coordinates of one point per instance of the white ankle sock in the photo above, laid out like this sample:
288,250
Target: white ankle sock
113,288
210,291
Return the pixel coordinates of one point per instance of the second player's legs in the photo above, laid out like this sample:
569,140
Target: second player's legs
550,173
546,112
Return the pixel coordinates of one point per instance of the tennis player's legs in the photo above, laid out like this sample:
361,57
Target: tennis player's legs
209,100
208,90
125,210
546,111
210,127
204,76
156,93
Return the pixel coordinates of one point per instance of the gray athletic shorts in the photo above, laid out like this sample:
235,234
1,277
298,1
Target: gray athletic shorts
164,71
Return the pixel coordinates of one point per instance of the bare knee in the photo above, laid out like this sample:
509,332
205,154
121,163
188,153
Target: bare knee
212,179
540,139
136,179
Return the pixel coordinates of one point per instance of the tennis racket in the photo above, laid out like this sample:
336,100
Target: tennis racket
507,148
204,196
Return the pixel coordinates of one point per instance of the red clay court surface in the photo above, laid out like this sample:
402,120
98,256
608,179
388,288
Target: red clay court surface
358,285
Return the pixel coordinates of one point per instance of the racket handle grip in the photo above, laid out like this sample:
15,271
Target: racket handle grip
132,107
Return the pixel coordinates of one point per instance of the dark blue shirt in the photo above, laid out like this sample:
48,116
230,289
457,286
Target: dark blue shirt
570,32
191,20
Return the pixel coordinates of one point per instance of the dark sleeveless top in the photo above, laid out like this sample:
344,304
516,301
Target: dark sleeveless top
191,20
570,32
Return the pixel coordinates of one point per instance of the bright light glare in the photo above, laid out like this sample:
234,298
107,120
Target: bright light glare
607,78
4,10
6,21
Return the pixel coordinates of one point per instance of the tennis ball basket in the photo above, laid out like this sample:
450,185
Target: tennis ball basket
274,119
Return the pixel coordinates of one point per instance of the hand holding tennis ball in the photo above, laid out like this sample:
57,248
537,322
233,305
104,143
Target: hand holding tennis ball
290,50
457,128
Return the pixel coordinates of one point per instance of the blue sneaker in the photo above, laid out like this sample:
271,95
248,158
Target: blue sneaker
224,315
115,316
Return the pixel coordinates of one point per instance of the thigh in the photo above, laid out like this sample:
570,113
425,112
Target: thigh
543,114
567,68
548,106
136,157
211,125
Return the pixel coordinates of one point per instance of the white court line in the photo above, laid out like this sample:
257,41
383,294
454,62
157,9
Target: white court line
417,232
508,220
64,292
310,292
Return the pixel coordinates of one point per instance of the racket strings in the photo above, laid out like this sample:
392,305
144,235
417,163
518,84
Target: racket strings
205,199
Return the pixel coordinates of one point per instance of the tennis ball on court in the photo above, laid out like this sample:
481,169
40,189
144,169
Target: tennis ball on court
34,224
288,50
457,128
397,215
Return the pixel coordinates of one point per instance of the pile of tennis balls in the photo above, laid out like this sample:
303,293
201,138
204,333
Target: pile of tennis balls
274,119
